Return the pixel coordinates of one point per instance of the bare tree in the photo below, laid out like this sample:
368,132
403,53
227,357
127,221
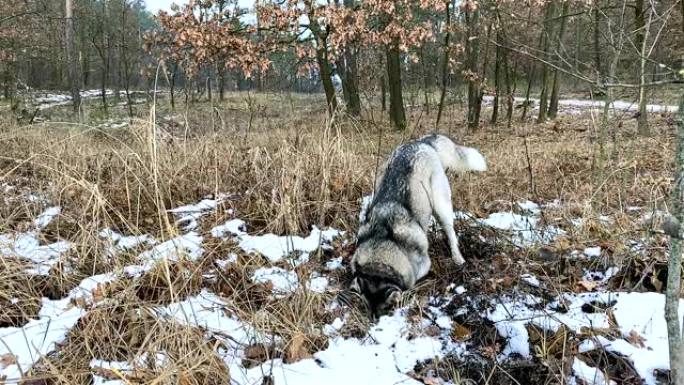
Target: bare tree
672,227
445,63
472,18
555,88
396,107
74,78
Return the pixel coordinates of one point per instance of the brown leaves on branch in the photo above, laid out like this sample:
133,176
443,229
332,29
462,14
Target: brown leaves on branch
207,32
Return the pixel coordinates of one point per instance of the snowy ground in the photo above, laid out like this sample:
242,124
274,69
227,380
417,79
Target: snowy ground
579,106
46,100
630,325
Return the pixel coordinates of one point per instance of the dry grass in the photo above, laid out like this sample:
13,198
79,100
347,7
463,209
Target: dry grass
288,171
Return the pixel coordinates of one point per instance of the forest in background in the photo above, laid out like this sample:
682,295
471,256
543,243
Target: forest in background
427,53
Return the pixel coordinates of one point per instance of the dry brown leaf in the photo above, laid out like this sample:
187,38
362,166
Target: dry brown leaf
185,379
587,285
636,339
460,332
490,351
256,354
296,350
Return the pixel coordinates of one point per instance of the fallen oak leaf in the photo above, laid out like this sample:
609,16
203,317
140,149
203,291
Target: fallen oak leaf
635,339
460,332
587,285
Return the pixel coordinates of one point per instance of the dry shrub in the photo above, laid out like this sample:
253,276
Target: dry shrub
19,299
299,321
169,281
127,333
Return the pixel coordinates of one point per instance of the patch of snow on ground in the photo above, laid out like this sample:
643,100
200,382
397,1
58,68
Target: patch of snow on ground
283,281
119,242
382,359
189,214
529,206
275,247
230,259
231,227
206,310
27,344
640,313
334,264
577,106
588,374
38,337
592,252
531,280
525,230
318,284
187,245
27,245
46,217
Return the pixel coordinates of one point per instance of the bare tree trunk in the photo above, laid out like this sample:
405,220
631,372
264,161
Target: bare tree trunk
445,64
555,89
597,32
396,108
74,83
640,41
172,86
326,78
383,92
221,81
547,34
531,69
125,59
324,66
497,77
350,75
474,83
425,82
675,325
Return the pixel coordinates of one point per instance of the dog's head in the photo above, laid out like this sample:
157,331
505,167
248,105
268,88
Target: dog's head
380,296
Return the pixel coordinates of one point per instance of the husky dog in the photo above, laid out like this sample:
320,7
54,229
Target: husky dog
392,242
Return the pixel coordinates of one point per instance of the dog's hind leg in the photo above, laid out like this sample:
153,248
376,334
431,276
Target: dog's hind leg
444,212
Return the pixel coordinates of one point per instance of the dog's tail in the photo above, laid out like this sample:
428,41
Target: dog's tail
454,157
465,159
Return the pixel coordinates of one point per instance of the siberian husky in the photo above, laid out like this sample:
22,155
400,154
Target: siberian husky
392,242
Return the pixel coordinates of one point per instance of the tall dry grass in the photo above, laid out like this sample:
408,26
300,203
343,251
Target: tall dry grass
284,173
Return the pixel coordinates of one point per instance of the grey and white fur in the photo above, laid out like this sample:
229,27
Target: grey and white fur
392,242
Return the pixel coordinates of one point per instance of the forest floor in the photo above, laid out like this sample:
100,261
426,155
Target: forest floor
212,243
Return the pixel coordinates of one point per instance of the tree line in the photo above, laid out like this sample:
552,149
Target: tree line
365,49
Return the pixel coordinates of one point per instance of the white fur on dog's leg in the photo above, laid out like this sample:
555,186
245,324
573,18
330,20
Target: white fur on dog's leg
458,258
444,212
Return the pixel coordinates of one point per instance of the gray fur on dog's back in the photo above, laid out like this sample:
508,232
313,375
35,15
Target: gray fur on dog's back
392,243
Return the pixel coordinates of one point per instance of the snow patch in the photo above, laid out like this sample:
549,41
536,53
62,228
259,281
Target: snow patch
638,315
589,375
185,246
284,282
275,247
